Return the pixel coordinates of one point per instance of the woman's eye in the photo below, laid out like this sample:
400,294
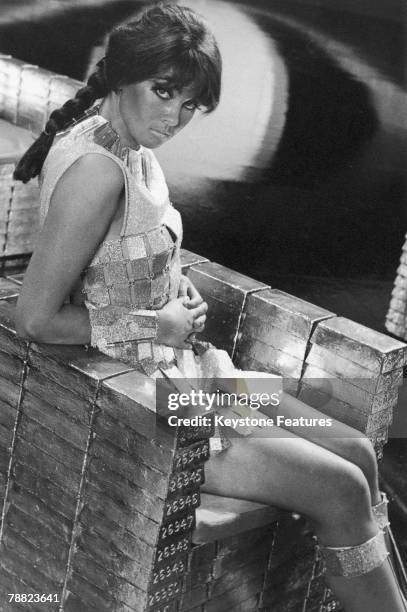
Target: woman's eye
191,105
162,93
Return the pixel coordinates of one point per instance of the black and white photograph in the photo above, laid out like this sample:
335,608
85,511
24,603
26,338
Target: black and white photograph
203,306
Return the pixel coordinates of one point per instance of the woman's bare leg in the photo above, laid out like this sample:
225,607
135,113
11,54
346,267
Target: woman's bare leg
345,442
296,474
339,438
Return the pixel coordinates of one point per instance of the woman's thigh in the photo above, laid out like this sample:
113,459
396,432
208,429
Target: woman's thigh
277,467
339,438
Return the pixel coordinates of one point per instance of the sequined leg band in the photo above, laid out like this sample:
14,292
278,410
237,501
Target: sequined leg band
352,561
380,512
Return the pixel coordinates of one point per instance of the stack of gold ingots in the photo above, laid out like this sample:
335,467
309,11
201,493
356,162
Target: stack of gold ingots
170,572
226,292
19,214
27,95
352,374
275,332
171,561
18,203
98,497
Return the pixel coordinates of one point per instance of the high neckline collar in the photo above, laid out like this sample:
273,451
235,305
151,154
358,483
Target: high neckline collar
110,139
109,109
104,134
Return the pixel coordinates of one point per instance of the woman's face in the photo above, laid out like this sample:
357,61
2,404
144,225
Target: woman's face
153,111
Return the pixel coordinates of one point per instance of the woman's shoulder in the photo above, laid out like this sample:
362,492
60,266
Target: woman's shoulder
88,193
78,164
84,130
89,134
81,149
94,171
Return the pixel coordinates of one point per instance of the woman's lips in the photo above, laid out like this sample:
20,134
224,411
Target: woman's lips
161,134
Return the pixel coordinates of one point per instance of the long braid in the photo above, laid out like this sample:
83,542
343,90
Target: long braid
33,159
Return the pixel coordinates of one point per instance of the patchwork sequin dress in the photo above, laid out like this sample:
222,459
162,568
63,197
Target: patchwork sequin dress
140,269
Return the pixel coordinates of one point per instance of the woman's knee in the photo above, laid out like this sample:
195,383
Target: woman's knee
345,495
360,452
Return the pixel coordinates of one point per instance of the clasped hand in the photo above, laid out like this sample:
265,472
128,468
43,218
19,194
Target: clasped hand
182,316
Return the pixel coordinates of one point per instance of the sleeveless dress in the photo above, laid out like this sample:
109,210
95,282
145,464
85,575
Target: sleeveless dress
140,269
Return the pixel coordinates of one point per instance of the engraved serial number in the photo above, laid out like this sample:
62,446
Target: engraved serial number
169,571
184,480
177,527
33,597
188,434
165,593
182,503
192,455
166,552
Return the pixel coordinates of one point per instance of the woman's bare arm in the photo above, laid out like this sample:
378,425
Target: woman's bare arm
80,213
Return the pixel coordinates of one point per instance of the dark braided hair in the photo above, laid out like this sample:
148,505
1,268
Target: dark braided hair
167,38
33,159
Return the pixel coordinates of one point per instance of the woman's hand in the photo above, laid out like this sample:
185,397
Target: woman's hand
193,299
177,321
188,290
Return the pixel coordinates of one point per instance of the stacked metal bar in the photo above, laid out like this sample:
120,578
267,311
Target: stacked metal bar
6,186
229,574
396,318
226,292
289,581
189,259
168,582
99,509
61,89
274,333
32,94
28,93
12,356
228,566
271,567
19,212
27,96
320,597
98,497
352,373
18,202
10,80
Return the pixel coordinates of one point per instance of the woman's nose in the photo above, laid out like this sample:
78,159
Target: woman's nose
172,114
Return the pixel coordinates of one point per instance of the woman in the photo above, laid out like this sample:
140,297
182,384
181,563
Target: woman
110,241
